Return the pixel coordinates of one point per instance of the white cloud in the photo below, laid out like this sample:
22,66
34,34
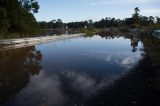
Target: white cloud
151,11
104,2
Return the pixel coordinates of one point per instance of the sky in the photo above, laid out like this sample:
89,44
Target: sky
81,10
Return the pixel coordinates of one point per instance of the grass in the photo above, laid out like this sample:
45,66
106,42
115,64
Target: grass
89,31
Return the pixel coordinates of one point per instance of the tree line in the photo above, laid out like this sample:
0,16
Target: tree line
16,17
136,20
103,23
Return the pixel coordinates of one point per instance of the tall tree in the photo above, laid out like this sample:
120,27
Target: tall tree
136,17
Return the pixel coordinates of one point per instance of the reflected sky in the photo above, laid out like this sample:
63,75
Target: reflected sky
90,55
73,69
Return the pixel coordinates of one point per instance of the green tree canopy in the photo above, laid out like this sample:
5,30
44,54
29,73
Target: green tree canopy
16,16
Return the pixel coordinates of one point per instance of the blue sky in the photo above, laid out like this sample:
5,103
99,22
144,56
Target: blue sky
80,10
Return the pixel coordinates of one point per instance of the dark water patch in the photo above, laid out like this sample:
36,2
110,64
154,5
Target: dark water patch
16,67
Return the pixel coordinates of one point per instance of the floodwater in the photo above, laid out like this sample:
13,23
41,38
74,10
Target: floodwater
69,72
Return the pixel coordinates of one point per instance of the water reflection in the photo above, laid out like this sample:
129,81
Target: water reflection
16,67
140,86
68,88
134,44
42,90
72,70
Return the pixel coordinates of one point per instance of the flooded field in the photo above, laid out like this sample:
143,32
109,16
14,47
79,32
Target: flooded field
83,71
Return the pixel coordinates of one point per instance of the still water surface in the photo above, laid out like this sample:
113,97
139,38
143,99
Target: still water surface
64,73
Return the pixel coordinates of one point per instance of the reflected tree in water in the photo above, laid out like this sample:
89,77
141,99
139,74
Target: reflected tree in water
134,44
16,67
139,87
111,35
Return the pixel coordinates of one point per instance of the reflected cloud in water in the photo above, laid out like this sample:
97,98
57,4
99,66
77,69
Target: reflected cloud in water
72,70
127,60
85,83
48,89
42,90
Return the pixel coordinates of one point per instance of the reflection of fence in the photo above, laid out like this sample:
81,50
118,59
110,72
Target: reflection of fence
17,43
